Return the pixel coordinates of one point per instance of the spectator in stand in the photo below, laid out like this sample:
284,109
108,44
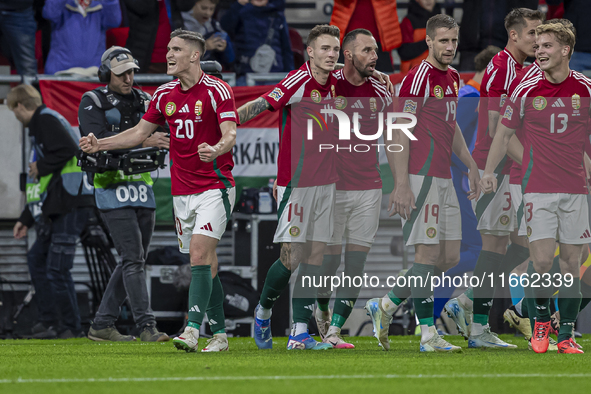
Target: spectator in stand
217,42
18,26
578,11
78,30
377,16
260,35
414,47
150,25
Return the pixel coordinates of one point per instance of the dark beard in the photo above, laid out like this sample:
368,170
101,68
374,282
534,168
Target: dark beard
360,70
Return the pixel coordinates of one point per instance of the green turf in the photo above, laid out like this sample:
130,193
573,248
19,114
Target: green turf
246,369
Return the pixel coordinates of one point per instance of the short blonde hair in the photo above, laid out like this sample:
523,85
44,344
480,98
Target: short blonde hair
562,34
26,95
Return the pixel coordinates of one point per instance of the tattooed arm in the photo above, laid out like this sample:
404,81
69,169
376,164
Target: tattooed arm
252,109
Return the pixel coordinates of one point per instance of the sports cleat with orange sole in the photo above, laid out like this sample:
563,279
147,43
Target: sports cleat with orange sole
568,347
539,340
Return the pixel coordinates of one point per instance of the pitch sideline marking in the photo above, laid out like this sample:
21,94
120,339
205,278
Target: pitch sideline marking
234,378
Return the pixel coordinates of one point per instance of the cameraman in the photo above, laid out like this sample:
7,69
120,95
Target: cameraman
126,202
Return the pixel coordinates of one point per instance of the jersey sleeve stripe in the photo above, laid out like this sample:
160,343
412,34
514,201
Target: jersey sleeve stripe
584,80
289,82
218,86
510,75
490,81
418,79
525,84
532,71
160,98
295,81
378,85
168,85
221,88
221,91
380,89
290,78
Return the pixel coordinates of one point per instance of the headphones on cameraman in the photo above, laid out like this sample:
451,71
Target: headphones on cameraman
104,71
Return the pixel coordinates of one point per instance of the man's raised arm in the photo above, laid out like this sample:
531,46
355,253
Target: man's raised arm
252,109
127,139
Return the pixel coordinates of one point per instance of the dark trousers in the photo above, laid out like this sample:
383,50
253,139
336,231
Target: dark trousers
131,230
18,29
50,261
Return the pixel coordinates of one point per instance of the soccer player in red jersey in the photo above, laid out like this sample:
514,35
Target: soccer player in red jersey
495,212
359,187
306,193
512,315
553,110
201,113
424,194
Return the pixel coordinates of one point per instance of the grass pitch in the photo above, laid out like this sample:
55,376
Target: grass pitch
81,366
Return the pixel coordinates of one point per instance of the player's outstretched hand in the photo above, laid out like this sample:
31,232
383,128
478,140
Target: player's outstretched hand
207,153
488,183
475,189
89,144
402,200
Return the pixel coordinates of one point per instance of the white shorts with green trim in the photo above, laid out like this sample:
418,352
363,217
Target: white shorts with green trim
560,216
437,217
495,212
204,213
356,217
517,198
305,213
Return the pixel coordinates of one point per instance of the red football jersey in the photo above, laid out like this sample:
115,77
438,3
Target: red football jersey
300,162
554,118
499,74
432,95
194,117
525,73
360,169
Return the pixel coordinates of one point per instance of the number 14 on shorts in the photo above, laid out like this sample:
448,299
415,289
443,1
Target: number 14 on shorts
297,210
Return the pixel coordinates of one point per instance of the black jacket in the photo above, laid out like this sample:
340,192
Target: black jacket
143,26
58,147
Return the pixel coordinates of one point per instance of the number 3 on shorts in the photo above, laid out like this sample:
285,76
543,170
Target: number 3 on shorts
529,211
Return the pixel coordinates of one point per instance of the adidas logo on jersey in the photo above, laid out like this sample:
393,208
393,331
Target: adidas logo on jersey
428,300
194,308
586,234
207,227
185,109
558,103
448,90
357,104
211,322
